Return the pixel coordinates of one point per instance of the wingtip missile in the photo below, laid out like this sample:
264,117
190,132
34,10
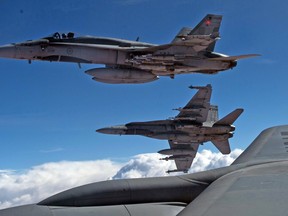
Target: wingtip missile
200,87
176,170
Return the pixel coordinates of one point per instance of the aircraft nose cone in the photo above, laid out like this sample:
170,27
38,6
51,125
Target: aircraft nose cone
7,51
104,130
31,210
121,129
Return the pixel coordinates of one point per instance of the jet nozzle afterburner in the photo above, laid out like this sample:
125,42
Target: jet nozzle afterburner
232,128
233,64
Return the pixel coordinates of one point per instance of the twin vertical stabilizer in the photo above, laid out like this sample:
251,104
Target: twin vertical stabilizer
223,144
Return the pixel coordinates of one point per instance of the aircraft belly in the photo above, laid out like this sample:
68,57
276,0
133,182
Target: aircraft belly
181,138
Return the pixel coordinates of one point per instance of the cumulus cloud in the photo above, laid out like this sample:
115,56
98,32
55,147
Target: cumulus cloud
149,165
39,182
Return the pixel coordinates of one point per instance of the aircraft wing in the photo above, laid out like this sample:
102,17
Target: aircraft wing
198,107
183,161
271,144
258,188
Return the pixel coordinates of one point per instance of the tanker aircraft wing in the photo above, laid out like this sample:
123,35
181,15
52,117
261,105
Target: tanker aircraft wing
198,107
260,188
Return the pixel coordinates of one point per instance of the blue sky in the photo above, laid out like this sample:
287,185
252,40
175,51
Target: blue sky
50,111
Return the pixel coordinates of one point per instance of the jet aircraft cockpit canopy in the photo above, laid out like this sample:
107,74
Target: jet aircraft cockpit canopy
60,35
87,39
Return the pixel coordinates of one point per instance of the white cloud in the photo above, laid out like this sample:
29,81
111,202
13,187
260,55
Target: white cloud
149,165
39,182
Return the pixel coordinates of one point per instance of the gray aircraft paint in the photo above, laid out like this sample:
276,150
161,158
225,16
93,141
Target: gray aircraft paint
191,51
196,123
255,184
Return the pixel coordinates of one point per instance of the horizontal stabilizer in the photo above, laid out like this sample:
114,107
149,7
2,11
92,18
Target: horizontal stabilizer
222,145
230,118
233,58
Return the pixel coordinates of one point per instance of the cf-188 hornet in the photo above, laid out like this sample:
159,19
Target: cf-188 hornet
196,123
191,51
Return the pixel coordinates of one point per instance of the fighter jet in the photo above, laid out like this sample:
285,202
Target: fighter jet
126,61
196,123
255,184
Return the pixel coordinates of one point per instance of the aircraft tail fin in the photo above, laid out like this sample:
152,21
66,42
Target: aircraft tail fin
230,118
209,25
212,114
182,34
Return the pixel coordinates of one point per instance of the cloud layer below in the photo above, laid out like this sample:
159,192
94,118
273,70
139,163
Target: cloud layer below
39,182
